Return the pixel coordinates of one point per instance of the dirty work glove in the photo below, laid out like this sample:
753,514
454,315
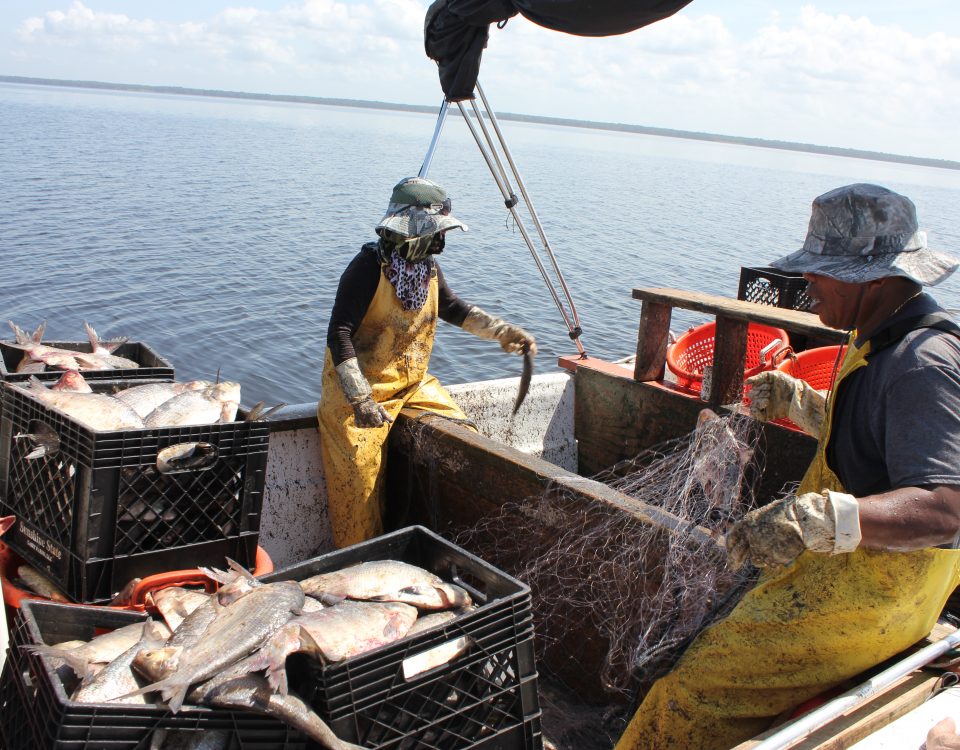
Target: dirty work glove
774,395
777,533
512,338
366,411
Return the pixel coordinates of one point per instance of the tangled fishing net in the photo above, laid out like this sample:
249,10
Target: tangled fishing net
644,591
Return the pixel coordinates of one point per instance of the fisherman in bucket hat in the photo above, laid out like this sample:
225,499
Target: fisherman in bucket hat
856,565
379,341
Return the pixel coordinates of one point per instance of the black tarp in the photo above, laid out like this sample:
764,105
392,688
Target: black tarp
456,31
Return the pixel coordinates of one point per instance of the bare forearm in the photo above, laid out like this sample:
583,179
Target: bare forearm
910,518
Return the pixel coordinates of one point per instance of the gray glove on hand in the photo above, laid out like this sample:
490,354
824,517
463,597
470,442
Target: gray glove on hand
366,411
512,338
774,395
777,533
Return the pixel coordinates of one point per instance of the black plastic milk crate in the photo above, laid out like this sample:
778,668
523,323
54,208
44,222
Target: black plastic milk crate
768,286
16,724
63,724
152,365
484,698
97,513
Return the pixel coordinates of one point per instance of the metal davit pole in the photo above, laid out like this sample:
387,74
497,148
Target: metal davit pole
428,159
488,149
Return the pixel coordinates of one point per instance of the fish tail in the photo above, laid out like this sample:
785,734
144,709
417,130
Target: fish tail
78,664
37,336
19,333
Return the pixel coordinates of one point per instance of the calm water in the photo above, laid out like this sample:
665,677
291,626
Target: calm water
216,230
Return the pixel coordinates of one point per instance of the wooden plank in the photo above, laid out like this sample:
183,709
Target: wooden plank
729,358
846,730
652,340
803,323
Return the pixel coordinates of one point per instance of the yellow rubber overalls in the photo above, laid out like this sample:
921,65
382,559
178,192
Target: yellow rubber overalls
393,348
802,629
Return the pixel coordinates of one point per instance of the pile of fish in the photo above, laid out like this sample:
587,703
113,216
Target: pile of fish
229,649
38,357
170,404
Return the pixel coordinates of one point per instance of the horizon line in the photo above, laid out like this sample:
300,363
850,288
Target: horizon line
539,119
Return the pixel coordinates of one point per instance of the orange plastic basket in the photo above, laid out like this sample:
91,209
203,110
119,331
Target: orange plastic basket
693,351
12,595
815,366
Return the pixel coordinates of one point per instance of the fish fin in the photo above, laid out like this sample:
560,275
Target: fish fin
91,336
215,574
329,600
171,691
6,522
37,335
237,567
36,384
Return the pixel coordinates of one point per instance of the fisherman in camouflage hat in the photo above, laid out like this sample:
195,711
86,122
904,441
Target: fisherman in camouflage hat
859,561
379,342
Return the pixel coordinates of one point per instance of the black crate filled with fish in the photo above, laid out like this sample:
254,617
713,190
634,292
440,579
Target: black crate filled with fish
449,665
27,355
103,495
73,665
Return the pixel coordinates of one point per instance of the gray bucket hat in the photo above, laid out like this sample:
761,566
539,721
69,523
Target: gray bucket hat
863,232
418,208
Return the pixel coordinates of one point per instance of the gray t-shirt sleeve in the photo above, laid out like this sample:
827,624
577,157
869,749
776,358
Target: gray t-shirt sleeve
922,432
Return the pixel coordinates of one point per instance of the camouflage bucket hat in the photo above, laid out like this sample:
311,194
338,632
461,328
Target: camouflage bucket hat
419,207
862,232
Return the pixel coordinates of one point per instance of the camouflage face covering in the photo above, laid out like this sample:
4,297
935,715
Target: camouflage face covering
411,281
863,232
408,264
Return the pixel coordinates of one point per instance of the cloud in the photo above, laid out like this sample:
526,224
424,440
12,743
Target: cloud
815,76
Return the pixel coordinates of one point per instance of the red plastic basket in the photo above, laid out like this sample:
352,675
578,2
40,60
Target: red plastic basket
693,351
815,366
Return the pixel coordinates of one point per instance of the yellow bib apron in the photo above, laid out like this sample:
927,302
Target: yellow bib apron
393,348
802,629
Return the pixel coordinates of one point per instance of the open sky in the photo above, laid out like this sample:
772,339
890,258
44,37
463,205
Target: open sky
881,75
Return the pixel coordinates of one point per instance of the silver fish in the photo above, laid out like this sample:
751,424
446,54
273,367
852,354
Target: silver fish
143,399
175,604
525,378
38,583
63,359
185,456
334,634
100,650
44,441
115,681
387,581
237,688
218,403
237,630
96,410
103,351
